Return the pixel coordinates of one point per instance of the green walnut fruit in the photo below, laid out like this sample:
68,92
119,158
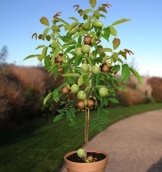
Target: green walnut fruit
81,95
86,26
74,88
95,69
78,52
96,14
81,153
56,29
85,49
103,92
97,24
48,37
85,67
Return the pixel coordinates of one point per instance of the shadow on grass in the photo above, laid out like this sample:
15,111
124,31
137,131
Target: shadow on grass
157,167
11,135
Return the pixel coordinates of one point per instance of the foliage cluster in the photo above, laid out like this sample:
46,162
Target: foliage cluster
92,70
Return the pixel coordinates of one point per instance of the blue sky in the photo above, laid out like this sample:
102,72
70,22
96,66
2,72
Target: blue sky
143,34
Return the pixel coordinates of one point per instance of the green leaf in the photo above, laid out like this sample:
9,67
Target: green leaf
44,21
120,21
115,68
137,75
73,25
78,60
80,80
123,53
72,74
56,95
58,117
101,15
106,33
113,100
31,56
107,50
40,46
73,18
40,58
115,57
98,78
47,61
125,72
55,54
44,51
116,43
63,21
49,95
113,31
86,80
88,10
79,39
70,48
92,3
46,31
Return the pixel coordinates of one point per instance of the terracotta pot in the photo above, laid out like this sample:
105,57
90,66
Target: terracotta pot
98,166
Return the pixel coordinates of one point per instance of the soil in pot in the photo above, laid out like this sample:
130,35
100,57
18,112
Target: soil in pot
96,157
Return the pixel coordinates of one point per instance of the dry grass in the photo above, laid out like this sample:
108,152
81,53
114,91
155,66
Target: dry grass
11,94
156,84
130,96
22,90
135,92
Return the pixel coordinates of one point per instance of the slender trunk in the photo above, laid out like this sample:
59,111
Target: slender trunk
86,129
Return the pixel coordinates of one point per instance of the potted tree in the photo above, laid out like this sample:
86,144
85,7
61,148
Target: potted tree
86,54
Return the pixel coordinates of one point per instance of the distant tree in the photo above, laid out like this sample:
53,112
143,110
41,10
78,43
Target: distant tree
3,54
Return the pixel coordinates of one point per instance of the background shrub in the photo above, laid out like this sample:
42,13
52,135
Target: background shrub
156,84
22,90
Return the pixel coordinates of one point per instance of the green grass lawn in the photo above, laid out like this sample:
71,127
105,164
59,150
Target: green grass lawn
40,147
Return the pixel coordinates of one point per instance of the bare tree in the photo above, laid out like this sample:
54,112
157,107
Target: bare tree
3,55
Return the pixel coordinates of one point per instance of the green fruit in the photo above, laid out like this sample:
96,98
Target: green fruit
85,49
96,14
78,51
103,92
41,37
81,95
85,16
56,29
86,26
95,69
74,88
97,24
81,153
48,37
85,67
73,31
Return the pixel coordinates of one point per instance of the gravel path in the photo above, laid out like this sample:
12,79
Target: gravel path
133,144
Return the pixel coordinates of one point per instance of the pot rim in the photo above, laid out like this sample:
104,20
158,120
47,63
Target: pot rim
70,153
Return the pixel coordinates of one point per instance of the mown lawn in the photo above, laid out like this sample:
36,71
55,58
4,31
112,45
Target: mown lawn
40,147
